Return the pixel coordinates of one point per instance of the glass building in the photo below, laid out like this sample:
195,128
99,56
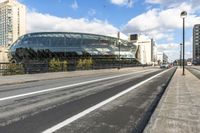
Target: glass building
44,46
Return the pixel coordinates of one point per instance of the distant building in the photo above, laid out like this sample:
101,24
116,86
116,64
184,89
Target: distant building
155,52
196,44
162,58
146,48
12,21
4,54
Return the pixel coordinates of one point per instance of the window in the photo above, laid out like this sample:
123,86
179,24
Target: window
30,42
57,41
43,42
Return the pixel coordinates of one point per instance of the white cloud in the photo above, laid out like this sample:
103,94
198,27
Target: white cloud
74,5
153,1
2,1
161,24
128,3
49,23
169,2
173,50
173,3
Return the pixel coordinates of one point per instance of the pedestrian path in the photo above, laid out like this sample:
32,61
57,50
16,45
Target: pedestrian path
179,108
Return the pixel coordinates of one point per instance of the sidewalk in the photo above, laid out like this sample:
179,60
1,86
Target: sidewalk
16,79
179,108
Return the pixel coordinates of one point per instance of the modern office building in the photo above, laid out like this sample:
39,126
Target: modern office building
146,48
12,21
196,44
44,46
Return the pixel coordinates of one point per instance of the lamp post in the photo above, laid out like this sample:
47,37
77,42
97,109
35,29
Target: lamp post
119,46
183,16
180,54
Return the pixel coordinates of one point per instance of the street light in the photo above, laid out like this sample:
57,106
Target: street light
119,41
119,46
183,16
180,54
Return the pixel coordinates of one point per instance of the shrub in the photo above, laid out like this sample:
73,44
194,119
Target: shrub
80,64
84,64
88,63
13,69
55,65
65,64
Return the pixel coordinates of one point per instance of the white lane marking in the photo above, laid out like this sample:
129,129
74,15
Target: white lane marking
67,86
87,111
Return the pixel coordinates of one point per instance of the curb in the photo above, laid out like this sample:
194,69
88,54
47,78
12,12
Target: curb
192,69
140,126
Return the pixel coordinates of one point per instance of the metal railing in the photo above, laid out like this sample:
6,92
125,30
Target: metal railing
30,68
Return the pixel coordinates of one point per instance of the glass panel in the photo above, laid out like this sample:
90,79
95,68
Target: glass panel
30,42
43,42
57,41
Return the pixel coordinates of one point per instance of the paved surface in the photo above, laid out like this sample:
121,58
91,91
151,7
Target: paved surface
195,70
14,79
127,114
179,109
37,112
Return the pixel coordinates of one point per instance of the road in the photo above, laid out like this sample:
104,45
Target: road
195,70
106,102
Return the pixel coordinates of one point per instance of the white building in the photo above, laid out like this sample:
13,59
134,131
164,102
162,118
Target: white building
146,49
12,21
162,58
3,54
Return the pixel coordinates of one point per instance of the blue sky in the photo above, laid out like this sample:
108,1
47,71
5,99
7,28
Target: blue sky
104,9
158,19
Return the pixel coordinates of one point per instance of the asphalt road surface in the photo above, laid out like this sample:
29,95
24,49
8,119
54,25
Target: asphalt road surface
103,103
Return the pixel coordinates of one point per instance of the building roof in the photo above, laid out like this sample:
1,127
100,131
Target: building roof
73,33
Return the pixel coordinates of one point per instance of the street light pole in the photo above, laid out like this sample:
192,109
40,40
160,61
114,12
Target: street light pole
183,46
180,54
119,55
183,15
119,47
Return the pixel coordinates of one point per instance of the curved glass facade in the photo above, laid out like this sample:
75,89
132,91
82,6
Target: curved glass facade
65,45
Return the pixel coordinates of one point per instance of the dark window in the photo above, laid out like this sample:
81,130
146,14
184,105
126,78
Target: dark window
43,42
30,42
57,41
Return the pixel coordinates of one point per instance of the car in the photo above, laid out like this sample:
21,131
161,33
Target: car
189,63
164,66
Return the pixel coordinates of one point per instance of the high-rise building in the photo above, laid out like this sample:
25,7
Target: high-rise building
12,21
196,43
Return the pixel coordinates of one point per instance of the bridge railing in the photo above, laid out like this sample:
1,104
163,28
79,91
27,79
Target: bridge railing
15,69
